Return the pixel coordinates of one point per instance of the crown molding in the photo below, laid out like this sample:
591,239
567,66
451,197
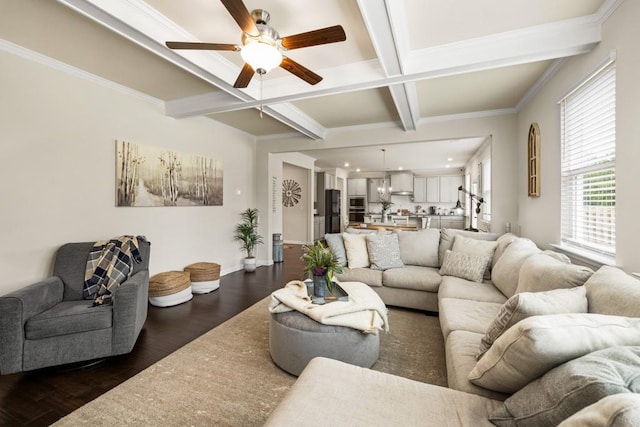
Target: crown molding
467,116
607,9
47,61
539,84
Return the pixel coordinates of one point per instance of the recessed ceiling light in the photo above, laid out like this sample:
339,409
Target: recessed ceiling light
346,164
358,170
400,168
450,159
448,166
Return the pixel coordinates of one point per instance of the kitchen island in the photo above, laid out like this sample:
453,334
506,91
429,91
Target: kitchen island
415,221
383,226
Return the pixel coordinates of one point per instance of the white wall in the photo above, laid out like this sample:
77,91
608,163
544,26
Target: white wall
57,179
540,217
269,170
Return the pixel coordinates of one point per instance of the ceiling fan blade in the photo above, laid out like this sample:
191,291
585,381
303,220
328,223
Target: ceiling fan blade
241,15
298,70
315,37
202,46
244,77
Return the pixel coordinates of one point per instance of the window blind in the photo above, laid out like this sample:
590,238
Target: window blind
588,157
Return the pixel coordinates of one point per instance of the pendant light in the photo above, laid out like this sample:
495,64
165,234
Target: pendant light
384,189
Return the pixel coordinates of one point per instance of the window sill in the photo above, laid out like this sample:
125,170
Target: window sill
585,256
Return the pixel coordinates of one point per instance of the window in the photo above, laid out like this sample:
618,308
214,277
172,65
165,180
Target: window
588,160
486,189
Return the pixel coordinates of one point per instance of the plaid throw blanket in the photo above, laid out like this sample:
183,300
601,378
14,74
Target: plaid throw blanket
108,265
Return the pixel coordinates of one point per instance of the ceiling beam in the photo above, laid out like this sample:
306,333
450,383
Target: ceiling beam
384,21
140,23
396,67
539,43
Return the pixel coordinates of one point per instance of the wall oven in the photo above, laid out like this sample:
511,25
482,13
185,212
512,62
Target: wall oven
357,209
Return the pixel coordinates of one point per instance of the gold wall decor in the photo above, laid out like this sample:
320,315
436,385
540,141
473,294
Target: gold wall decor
533,160
291,193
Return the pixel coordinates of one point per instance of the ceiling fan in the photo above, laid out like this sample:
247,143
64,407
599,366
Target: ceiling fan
262,47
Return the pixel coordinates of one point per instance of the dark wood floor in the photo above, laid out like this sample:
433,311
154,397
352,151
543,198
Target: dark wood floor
39,398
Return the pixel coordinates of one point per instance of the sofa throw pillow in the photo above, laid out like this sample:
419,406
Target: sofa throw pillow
483,248
354,230
570,387
447,235
356,248
527,304
612,291
537,344
541,272
507,269
336,244
419,247
384,251
464,265
616,410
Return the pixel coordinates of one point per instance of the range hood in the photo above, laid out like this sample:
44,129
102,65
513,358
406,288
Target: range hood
402,183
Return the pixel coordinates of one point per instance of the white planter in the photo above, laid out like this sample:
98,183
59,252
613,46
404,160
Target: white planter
250,265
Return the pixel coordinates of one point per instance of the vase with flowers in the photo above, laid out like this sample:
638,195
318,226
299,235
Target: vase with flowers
386,204
321,265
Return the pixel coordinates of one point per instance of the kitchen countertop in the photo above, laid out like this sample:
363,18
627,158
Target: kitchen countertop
413,215
379,225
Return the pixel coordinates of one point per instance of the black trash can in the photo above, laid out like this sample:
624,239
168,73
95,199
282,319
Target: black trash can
278,255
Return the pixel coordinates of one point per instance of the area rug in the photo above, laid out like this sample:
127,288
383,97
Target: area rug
227,378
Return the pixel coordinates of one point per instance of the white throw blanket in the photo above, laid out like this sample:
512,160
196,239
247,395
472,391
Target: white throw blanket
364,311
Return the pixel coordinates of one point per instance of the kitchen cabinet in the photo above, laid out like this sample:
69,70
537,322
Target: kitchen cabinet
318,227
419,189
435,222
433,189
357,187
374,184
449,188
329,181
443,189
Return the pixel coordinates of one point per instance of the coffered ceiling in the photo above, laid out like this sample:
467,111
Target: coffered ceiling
403,62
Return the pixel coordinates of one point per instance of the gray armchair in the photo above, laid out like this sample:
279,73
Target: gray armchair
48,323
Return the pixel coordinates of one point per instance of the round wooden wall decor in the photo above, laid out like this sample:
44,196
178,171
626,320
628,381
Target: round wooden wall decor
291,193
533,161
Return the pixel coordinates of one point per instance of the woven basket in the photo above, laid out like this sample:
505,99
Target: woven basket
168,283
203,271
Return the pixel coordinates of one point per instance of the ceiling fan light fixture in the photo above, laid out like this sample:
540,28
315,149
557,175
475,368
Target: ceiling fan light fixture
263,57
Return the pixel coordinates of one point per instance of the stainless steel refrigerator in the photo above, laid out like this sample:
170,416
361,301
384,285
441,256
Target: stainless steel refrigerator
332,211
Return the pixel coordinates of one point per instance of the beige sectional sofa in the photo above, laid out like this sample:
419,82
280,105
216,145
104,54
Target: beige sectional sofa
542,342
416,283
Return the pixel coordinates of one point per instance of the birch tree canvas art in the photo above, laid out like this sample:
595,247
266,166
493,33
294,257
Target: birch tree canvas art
154,176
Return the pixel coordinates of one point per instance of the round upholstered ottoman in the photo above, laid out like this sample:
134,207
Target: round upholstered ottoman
295,339
205,277
170,288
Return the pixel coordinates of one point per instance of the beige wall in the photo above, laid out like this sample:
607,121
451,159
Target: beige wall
57,180
540,217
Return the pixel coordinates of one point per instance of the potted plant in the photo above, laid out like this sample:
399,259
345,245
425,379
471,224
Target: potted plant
247,234
320,264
